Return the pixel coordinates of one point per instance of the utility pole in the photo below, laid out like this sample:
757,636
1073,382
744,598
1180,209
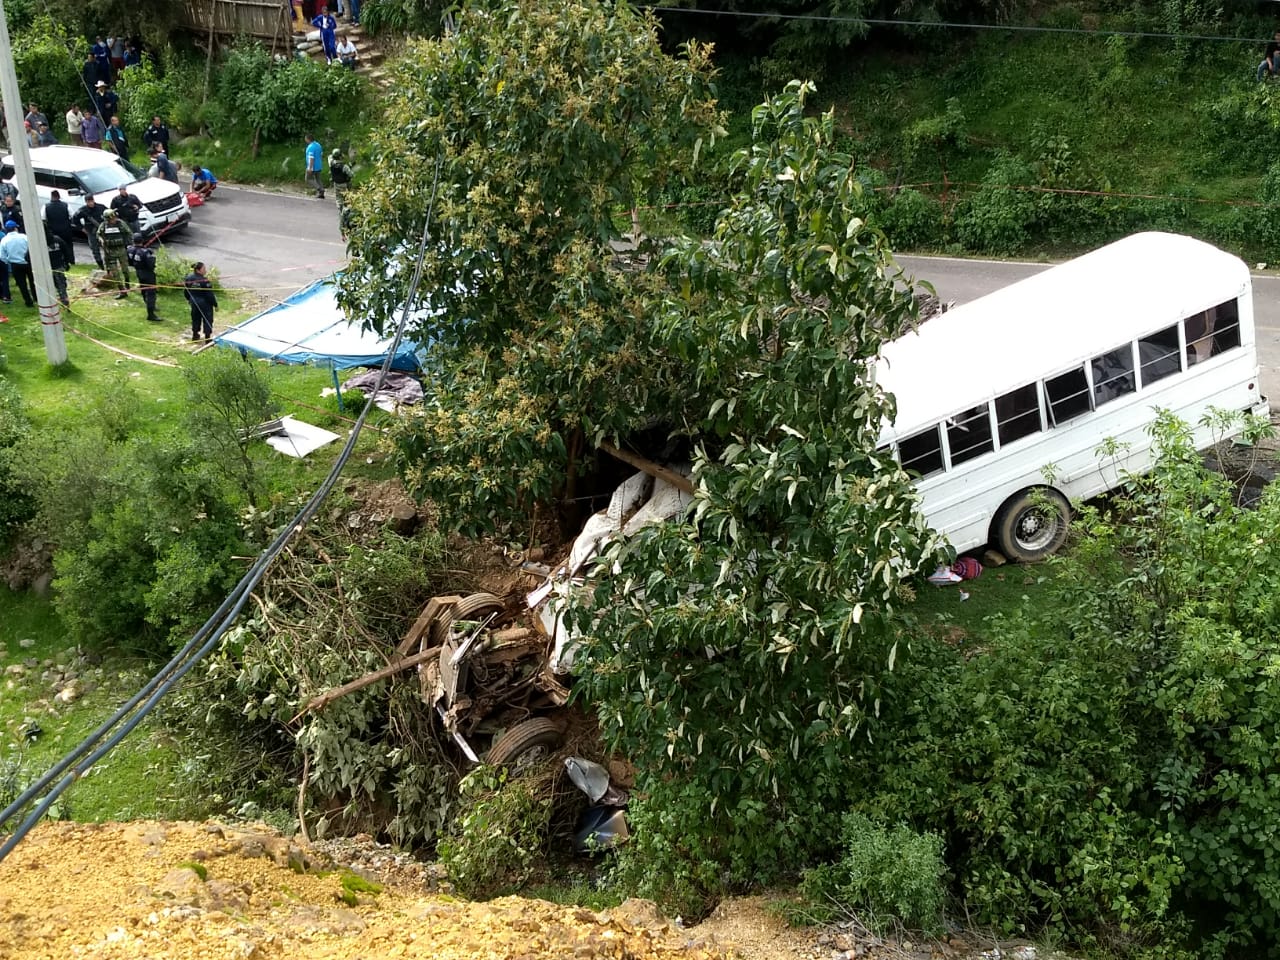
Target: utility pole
55,346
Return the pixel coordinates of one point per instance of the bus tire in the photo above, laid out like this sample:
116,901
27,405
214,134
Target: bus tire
1033,524
526,745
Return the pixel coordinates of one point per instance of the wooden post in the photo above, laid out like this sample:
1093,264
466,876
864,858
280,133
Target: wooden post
679,481
208,62
394,667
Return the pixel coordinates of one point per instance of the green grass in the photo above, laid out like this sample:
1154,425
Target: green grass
230,154
1000,590
136,780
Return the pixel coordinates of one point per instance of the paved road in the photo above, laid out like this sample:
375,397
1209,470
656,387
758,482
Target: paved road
274,243
964,280
271,243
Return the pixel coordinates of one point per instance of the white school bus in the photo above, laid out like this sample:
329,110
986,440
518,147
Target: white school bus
1003,403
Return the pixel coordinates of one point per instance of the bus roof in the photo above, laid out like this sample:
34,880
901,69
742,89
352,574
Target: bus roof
1049,322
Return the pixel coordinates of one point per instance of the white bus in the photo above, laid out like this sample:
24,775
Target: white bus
1003,403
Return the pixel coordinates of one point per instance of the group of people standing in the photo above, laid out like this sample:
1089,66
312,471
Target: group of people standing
15,253
338,47
116,245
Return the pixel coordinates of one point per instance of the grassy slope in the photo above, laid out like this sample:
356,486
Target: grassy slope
135,780
1132,112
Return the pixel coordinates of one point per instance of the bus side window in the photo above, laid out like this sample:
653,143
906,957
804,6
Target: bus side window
1113,375
1068,395
1018,414
1160,355
969,434
1210,333
921,453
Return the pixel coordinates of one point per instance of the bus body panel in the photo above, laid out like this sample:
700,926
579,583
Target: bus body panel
963,499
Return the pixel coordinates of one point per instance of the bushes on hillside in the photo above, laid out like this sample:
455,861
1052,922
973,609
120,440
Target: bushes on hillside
1105,765
16,505
997,219
280,98
47,59
145,527
374,759
883,876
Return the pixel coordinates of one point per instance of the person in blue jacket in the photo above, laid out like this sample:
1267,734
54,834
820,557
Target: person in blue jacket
328,28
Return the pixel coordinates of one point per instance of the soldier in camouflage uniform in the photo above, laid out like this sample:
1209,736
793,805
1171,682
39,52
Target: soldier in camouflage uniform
115,236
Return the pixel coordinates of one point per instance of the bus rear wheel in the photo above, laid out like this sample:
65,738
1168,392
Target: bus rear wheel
1033,524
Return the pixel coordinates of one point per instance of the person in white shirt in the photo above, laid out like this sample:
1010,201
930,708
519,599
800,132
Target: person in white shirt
74,116
347,52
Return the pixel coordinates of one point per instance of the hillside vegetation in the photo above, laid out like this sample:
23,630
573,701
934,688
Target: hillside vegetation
963,136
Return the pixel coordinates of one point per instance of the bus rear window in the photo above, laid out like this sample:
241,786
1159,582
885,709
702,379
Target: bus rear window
1018,414
1113,375
921,453
1159,355
1068,395
1210,333
969,434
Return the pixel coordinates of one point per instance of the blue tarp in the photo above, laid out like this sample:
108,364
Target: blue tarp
310,327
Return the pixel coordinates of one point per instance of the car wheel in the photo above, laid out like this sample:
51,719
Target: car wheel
526,745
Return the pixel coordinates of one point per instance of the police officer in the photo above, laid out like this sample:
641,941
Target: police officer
59,259
340,171
115,236
143,261
128,207
198,289
88,218
57,219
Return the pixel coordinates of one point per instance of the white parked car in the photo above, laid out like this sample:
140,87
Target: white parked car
78,171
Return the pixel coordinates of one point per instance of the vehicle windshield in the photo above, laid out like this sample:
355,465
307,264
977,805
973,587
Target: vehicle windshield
111,176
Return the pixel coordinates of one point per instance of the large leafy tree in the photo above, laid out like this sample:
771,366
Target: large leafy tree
154,20
736,655
529,134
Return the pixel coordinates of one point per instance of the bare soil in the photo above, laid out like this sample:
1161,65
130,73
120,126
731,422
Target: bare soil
180,891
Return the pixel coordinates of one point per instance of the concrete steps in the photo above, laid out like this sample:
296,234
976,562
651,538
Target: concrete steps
369,58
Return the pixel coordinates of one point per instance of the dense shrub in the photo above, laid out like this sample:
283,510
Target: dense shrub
227,398
16,503
913,221
1265,222
501,835
1104,764
280,98
374,759
935,137
422,17
1000,216
149,556
47,60
145,94
1070,209
1238,132
882,876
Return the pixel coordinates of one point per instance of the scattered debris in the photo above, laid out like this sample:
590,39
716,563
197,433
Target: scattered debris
293,437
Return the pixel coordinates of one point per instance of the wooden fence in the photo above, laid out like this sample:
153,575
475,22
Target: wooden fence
268,20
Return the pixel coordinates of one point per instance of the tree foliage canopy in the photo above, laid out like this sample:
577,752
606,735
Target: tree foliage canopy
536,128
736,656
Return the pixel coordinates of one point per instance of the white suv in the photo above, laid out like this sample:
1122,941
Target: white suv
78,171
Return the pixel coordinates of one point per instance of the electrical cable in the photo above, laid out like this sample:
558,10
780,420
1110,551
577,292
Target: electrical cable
221,621
884,22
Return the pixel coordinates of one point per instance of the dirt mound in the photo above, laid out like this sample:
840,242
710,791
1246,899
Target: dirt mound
163,891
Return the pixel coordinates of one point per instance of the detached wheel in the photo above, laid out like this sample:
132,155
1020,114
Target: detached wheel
526,745
1033,524
477,606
